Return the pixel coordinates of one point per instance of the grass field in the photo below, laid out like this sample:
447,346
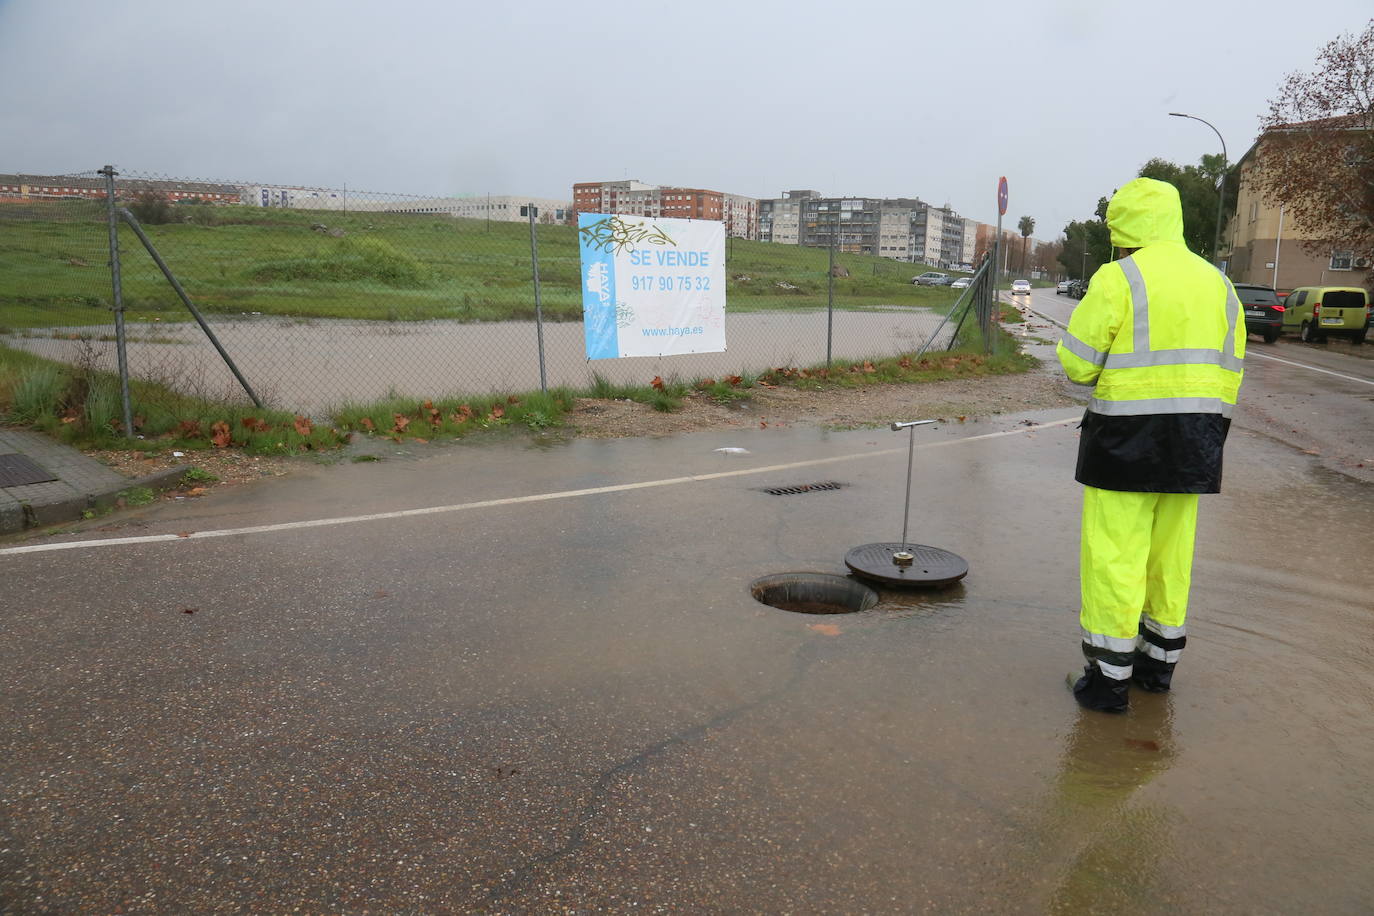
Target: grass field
388,267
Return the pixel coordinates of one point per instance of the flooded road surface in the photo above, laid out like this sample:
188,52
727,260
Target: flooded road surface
312,365
513,679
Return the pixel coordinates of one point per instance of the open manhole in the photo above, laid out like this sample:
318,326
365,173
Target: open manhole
813,593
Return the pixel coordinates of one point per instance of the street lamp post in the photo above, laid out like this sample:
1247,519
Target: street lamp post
1221,192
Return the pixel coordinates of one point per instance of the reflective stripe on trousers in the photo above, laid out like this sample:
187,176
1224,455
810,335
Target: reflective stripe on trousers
1136,561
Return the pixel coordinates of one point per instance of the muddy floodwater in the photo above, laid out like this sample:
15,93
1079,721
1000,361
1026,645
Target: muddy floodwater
311,365
498,678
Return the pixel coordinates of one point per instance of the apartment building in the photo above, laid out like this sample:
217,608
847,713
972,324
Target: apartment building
511,208
938,236
780,218
14,188
969,249
900,228
1266,249
636,198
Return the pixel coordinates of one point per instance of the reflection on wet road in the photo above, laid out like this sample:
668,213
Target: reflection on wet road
576,704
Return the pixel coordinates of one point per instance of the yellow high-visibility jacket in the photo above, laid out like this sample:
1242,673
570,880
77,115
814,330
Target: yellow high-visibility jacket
1161,339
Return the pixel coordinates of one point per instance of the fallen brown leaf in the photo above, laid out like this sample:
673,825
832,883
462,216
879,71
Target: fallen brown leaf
825,629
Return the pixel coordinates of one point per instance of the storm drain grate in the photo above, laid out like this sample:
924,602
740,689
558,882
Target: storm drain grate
803,488
17,471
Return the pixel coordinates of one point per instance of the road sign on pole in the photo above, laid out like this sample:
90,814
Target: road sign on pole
1002,196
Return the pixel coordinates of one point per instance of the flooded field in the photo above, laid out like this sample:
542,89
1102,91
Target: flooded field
311,365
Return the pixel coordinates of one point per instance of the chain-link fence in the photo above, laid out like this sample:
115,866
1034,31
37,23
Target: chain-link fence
323,297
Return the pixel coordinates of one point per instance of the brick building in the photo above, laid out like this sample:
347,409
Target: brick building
636,198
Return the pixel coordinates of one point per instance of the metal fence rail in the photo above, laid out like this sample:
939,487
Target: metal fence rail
354,296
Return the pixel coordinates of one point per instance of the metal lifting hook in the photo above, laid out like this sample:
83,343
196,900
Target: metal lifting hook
904,557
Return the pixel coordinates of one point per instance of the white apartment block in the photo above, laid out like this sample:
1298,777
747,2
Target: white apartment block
895,239
741,216
970,241
504,208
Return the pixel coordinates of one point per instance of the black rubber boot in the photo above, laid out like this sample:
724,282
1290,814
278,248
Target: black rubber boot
1094,690
1151,674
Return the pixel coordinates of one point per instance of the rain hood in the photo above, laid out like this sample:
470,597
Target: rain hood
1145,211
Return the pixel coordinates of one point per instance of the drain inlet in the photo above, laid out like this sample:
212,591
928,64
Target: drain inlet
803,488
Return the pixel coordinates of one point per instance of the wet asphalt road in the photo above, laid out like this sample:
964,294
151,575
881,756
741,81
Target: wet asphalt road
502,703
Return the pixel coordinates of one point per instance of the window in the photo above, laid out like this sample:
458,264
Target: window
1342,260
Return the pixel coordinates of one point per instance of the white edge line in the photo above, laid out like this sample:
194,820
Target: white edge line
508,501
1289,362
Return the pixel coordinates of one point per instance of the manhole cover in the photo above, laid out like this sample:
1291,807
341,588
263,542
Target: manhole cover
930,567
813,593
17,471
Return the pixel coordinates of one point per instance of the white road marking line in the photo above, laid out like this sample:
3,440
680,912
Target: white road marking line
1276,359
509,501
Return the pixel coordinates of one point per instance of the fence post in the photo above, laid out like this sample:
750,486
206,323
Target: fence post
118,284
538,303
830,293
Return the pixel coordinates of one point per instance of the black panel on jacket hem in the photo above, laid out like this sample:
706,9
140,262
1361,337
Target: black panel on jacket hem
1152,453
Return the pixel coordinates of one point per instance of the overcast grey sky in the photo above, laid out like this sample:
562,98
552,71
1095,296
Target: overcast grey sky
1066,98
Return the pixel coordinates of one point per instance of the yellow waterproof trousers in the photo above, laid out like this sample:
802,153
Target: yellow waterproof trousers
1136,566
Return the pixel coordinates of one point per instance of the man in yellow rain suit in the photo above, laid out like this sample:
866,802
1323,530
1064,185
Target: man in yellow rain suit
1160,338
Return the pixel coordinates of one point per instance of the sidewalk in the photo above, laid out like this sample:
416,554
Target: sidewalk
75,482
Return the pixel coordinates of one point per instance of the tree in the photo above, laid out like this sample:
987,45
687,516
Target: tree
1046,257
1026,225
1087,244
1316,150
150,208
1197,190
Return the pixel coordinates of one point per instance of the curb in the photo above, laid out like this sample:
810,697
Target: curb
24,516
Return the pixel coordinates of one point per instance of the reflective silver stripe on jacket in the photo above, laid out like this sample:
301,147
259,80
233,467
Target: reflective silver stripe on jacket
1160,405
1180,357
1110,643
1142,356
1140,305
1082,351
1161,629
1228,346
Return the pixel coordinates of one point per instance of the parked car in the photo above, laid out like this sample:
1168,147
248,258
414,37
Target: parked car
1317,311
1062,288
930,278
1263,311
1020,287
962,283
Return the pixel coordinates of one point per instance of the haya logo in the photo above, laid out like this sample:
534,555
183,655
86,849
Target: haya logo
599,281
